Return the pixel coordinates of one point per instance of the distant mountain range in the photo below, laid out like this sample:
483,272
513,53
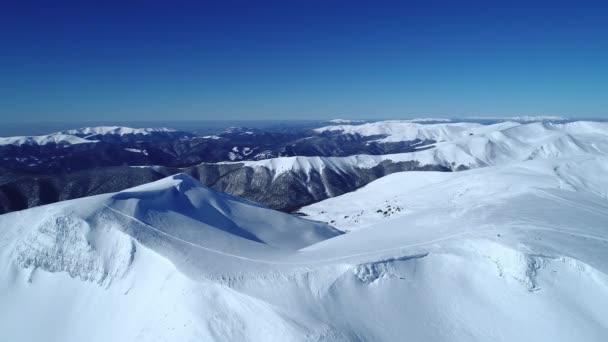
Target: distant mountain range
284,170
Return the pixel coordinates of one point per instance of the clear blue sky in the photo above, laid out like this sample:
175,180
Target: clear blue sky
171,60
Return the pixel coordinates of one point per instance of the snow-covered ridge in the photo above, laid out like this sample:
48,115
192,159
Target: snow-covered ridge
307,164
82,135
56,138
116,130
429,120
406,130
524,118
345,121
465,145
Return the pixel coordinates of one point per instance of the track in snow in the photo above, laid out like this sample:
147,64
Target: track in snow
571,232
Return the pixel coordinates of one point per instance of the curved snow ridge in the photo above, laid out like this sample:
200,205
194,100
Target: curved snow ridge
56,138
180,206
64,242
117,130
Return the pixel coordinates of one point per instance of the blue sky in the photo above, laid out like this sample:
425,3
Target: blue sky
172,60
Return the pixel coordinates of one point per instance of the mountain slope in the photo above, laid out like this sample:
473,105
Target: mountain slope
401,194
517,241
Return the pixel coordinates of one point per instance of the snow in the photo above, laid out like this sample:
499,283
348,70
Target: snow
79,136
116,130
309,164
56,138
519,241
429,120
515,251
524,118
345,121
405,130
381,200
469,145
213,137
137,150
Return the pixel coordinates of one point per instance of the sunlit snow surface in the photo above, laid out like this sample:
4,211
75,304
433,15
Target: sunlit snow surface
458,145
515,251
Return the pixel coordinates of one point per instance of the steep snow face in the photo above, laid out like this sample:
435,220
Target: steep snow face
117,130
183,207
63,242
56,138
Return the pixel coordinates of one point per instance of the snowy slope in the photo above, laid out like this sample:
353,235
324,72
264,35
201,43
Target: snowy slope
505,253
401,194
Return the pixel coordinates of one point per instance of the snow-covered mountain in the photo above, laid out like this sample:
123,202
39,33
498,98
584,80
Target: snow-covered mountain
95,134
288,183
345,121
119,134
522,118
511,252
117,130
59,139
473,145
